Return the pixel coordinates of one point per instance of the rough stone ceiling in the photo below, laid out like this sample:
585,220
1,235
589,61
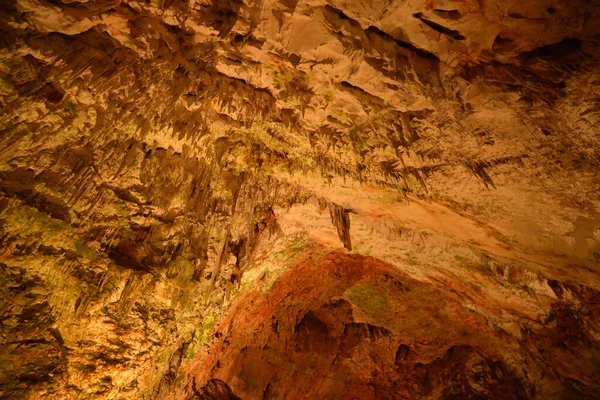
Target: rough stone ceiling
284,199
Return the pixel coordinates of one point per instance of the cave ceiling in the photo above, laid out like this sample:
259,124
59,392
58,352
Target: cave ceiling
266,199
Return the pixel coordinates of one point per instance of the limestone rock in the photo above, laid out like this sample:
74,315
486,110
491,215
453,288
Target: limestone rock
166,170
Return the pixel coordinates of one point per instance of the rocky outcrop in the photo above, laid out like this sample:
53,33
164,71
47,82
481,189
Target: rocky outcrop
161,161
338,326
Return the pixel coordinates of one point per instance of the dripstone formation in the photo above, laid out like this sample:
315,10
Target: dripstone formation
321,199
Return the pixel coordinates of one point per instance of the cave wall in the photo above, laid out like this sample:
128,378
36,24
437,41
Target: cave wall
160,160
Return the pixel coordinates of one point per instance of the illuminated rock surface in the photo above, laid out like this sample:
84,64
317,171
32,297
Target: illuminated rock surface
329,199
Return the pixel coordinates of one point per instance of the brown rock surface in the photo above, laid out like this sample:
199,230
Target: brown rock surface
168,167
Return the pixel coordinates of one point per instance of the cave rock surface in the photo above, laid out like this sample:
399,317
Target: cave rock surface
261,199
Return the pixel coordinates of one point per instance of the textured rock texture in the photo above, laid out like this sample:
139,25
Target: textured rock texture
345,326
283,199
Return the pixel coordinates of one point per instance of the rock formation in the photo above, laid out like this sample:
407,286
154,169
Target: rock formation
275,199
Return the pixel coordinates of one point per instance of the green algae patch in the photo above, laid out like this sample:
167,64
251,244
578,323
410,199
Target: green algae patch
370,299
27,221
264,273
202,334
180,269
473,265
85,251
295,247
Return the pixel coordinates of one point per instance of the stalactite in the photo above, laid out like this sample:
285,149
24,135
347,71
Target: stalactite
340,217
123,205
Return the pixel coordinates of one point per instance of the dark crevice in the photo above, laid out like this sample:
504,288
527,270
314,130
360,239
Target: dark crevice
502,44
563,48
401,354
360,92
401,43
448,14
214,389
441,29
340,14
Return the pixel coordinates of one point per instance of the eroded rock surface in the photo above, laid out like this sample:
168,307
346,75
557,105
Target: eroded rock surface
344,326
165,164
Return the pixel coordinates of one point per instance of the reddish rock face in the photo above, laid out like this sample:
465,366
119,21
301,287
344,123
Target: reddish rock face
338,326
